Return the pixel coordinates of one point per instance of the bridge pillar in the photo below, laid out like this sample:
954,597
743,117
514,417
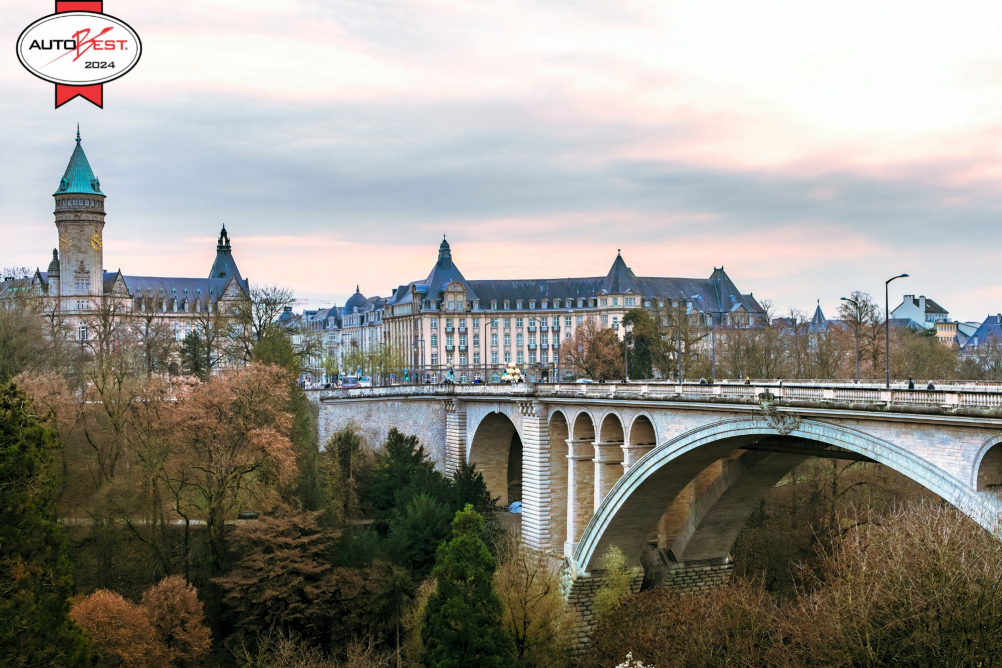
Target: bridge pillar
455,435
580,490
537,521
608,468
632,454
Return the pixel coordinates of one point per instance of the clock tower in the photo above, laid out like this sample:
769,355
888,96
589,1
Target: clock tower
80,223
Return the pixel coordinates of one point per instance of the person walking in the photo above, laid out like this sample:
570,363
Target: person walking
930,386
911,384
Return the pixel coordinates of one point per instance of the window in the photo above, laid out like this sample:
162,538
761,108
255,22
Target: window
579,319
507,304
494,358
462,359
507,323
518,323
507,358
494,339
448,322
519,340
476,339
544,358
532,339
452,306
81,332
462,339
556,303
434,323
615,301
532,322
83,305
494,323
532,358
507,339
591,303
494,377
630,301
567,334
494,305
476,323
605,319
520,358
476,359
532,303
434,358
615,321
459,305
83,285
544,339
603,302
567,321
434,340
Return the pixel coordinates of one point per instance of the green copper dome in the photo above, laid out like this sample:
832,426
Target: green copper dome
79,178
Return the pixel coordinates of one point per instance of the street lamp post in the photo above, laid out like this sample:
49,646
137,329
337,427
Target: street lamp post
887,327
855,304
626,353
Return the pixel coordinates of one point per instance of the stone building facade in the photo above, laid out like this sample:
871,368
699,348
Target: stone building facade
476,327
76,283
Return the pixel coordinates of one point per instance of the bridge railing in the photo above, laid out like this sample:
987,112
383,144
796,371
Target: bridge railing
966,395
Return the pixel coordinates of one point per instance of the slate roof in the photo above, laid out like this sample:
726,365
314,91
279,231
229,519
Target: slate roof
930,306
991,327
357,300
156,288
79,178
224,265
716,294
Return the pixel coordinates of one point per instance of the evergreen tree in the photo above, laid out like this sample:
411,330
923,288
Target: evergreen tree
416,533
463,619
35,571
401,471
194,355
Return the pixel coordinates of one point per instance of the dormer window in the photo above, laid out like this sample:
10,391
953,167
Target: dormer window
518,304
507,304
532,303
545,303
494,305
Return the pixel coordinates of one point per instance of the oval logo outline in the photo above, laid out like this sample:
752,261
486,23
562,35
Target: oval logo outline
119,73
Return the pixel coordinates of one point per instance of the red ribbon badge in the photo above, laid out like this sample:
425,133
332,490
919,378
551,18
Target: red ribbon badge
64,93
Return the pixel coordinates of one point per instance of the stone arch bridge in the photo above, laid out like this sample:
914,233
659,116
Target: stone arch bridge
670,472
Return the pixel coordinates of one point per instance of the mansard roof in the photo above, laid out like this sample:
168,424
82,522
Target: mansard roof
79,178
717,294
155,287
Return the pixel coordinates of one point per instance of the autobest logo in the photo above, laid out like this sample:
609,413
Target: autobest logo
79,49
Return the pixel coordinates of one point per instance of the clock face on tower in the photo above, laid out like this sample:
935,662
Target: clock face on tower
65,242
95,241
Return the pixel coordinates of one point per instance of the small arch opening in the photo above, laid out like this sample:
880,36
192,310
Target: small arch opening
612,429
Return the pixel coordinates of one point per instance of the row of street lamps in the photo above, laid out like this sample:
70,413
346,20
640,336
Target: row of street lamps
887,329
854,302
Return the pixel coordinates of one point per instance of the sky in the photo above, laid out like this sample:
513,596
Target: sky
810,148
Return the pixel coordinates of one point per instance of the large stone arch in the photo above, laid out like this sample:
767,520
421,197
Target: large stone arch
496,450
625,516
986,474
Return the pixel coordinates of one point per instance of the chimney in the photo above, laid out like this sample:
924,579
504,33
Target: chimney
921,304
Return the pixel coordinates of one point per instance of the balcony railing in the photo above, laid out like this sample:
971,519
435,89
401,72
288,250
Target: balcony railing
449,347
532,346
532,328
556,328
462,348
448,330
543,328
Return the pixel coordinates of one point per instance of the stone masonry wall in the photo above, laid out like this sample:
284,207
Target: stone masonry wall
424,418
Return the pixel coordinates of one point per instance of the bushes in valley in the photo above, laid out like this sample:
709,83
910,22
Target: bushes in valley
165,630
919,586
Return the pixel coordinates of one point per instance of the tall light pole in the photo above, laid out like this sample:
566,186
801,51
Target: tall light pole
887,326
855,304
626,352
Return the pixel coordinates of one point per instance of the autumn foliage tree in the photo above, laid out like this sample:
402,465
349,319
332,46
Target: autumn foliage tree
594,351
165,630
231,440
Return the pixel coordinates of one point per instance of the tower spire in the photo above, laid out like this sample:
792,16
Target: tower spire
78,134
